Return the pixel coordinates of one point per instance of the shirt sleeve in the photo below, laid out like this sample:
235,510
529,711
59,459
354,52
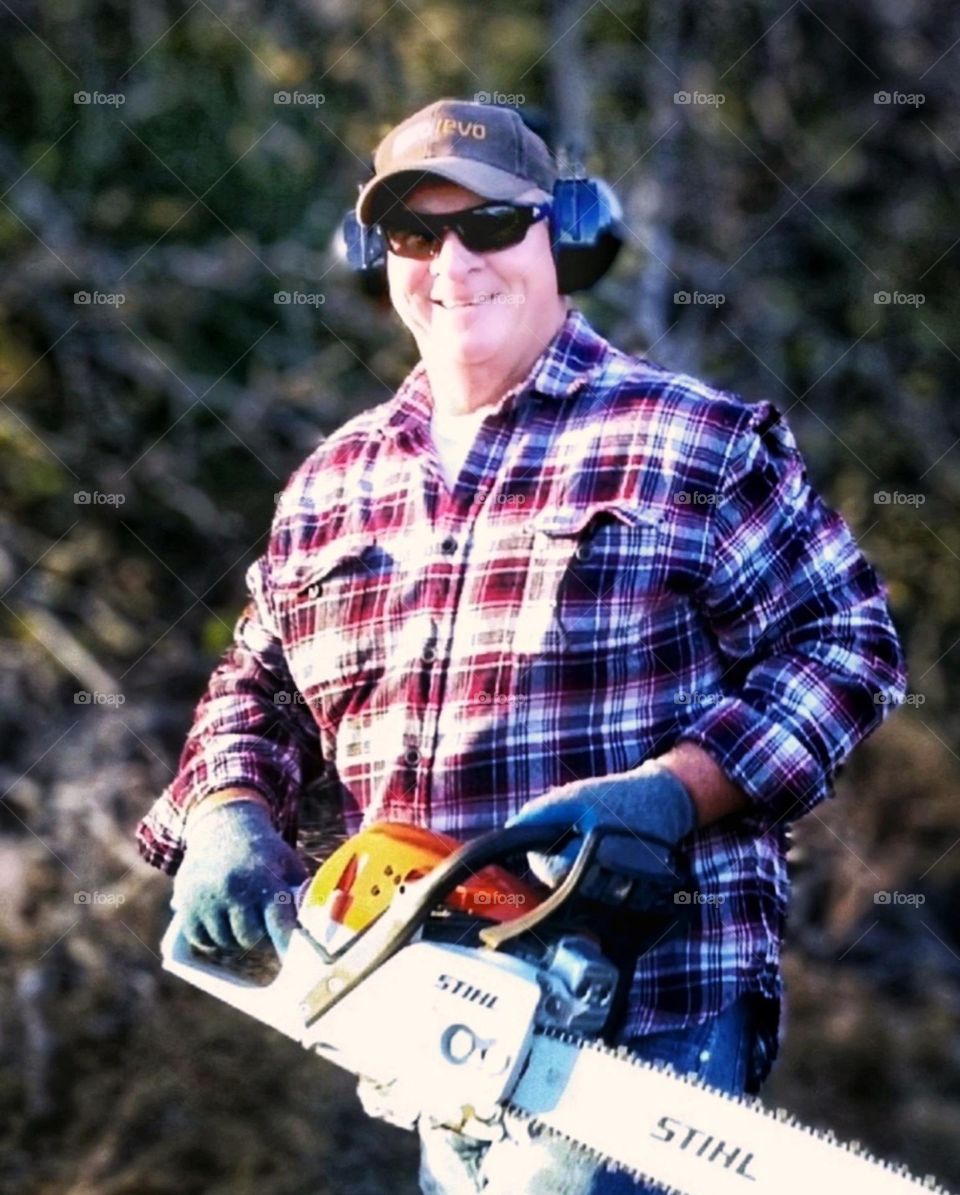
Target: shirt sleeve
801,617
250,728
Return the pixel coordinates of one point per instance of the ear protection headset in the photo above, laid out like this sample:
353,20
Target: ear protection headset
586,232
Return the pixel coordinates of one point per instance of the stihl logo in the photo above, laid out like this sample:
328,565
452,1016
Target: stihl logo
685,1136
466,128
460,987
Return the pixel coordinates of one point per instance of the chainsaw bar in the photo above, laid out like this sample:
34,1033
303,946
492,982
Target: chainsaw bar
677,1132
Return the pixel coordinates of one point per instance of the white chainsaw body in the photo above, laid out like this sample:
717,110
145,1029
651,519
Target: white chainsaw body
445,1026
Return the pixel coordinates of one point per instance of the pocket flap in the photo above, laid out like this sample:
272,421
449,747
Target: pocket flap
310,568
559,521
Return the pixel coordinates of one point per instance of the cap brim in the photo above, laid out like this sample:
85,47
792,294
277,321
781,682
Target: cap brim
383,192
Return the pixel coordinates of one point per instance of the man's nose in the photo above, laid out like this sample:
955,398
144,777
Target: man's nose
452,256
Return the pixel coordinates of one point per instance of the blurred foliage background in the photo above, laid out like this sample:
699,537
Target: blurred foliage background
145,432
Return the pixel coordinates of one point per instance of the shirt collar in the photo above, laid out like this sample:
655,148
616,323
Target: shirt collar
568,362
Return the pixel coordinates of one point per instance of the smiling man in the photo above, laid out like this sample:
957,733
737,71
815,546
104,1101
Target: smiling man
549,583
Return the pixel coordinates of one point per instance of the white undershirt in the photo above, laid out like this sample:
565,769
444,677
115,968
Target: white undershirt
452,436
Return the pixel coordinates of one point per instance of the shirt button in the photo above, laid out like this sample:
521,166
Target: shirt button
449,546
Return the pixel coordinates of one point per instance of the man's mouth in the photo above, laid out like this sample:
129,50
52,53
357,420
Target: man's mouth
454,304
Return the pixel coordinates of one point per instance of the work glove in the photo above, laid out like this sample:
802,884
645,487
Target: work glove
233,886
649,807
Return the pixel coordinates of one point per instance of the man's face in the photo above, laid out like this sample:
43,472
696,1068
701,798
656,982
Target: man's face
498,309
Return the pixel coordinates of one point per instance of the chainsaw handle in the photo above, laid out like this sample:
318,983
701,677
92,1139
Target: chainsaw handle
494,936
274,1003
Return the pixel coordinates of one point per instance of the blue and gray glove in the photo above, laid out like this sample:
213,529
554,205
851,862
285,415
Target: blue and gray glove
649,809
233,886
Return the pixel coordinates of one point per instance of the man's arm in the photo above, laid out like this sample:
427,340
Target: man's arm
250,738
713,793
802,619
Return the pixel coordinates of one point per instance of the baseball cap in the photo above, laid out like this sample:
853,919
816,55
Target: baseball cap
480,146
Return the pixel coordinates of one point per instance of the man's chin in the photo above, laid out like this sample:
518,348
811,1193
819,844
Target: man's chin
466,343
474,354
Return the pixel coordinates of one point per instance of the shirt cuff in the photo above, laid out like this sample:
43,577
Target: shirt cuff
777,772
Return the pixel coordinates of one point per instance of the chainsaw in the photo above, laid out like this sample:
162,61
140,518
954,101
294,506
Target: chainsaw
457,990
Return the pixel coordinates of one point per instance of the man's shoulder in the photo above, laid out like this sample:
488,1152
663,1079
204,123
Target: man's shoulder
635,384
327,470
674,414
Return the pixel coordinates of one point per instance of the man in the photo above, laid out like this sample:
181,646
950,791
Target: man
545,582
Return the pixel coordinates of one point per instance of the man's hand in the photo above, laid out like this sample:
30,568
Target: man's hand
233,887
646,803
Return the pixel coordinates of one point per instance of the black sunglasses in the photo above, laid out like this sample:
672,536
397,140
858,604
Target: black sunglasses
481,229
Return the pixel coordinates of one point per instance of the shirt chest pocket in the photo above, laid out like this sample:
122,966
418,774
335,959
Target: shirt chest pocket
332,612
595,574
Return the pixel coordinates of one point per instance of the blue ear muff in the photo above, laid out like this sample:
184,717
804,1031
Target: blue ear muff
586,231
586,227
363,243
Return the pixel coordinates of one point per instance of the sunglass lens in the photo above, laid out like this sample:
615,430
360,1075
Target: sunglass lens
410,242
494,227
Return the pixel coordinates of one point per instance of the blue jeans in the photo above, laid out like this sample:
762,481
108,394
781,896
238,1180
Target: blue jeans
719,1051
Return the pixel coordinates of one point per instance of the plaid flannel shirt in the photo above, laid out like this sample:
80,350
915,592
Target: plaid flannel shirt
629,558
